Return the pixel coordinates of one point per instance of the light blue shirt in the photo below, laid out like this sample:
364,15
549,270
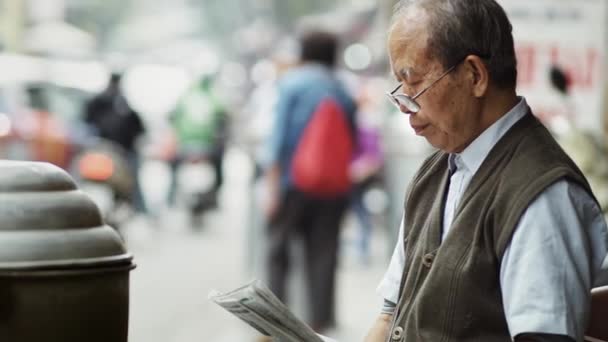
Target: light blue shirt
554,258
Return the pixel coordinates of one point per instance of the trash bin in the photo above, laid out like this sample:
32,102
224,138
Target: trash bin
64,275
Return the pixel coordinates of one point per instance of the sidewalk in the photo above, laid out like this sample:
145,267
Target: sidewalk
176,272
178,267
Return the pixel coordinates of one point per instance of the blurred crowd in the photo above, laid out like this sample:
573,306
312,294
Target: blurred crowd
101,121
102,135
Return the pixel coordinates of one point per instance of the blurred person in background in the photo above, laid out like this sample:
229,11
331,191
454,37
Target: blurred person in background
587,150
110,117
257,120
502,238
290,209
199,122
365,169
45,135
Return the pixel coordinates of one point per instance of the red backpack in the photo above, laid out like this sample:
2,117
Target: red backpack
320,165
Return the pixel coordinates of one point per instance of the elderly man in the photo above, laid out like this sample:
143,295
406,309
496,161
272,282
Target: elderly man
501,238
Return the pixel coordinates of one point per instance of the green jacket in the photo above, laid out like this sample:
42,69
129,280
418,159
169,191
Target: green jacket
197,119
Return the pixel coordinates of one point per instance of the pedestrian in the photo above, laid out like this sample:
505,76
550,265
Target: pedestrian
200,124
502,238
311,103
365,171
111,117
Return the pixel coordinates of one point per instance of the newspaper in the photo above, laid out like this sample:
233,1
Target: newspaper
255,304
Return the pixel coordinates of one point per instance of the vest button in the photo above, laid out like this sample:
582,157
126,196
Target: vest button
397,334
427,260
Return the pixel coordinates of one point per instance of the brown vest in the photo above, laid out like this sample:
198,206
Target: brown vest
450,290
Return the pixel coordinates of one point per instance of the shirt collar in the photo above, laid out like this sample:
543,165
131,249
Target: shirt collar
474,154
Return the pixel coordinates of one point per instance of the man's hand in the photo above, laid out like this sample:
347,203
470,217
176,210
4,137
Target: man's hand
379,331
271,203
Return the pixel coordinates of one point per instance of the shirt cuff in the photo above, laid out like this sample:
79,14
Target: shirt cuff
388,307
540,323
389,289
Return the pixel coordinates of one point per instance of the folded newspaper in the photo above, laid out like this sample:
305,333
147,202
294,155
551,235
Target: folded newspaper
255,304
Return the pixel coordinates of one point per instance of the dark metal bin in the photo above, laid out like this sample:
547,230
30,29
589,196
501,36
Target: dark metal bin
64,275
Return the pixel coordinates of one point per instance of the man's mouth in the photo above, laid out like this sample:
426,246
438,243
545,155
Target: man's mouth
419,128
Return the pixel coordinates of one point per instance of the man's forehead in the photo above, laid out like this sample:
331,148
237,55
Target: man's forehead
409,59
408,46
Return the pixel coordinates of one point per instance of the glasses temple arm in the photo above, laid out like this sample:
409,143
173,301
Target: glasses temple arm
394,90
432,83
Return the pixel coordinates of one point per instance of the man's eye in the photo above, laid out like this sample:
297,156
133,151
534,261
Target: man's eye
410,87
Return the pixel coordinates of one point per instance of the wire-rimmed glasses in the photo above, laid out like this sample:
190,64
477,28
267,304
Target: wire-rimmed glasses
409,102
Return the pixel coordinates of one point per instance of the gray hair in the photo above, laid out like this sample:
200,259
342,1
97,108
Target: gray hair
462,27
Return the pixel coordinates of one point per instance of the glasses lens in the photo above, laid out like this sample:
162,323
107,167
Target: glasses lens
407,102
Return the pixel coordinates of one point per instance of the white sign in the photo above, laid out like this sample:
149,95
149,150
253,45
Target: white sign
569,34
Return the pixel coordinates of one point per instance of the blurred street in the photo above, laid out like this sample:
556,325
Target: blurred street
184,121
177,268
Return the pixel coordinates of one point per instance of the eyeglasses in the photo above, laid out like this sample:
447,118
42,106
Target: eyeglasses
409,102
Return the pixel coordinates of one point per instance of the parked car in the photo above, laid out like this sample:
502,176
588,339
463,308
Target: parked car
40,107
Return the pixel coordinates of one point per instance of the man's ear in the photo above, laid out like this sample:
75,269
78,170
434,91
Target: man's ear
479,75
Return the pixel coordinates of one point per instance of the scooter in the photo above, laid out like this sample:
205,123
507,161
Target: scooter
200,195
103,172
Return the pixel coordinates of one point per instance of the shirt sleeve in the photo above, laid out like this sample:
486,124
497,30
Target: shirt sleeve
551,264
278,133
389,286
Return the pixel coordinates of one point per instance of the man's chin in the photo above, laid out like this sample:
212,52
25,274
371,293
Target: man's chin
441,145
